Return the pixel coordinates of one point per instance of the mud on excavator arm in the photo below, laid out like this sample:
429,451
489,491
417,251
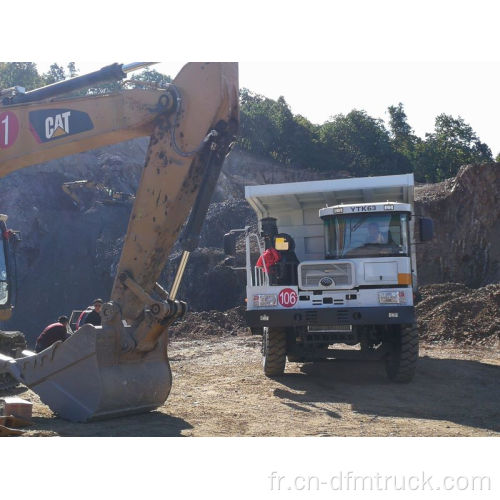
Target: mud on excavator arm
122,367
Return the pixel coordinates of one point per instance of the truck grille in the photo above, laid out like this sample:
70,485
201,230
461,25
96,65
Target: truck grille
311,316
329,328
342,316
339,316
325,275
329,334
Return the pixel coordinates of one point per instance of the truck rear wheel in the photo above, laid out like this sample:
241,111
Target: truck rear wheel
273,351
402,361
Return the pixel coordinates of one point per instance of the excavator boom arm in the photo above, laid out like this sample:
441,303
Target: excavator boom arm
38,132
175,165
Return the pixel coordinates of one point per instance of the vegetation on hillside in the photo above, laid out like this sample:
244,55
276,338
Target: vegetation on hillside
355,142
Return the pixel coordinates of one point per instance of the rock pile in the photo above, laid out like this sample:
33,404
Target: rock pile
210,323
454,312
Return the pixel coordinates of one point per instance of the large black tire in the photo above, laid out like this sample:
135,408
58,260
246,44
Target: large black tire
273,351
402,360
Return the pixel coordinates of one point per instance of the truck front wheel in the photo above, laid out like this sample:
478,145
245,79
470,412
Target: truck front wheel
273,351
402,360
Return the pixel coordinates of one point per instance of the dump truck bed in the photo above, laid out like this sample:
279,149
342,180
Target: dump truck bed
296,205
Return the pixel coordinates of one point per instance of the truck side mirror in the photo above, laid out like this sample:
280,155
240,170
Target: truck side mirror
230,244
426,229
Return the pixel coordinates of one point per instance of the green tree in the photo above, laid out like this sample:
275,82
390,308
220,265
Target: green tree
355,142
258,132
55,74
361,144
452,145
285,128
23,74
150,77
72,70
305,147
403,139
269,128
153,77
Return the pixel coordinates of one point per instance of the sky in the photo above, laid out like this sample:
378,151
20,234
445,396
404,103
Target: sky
320,90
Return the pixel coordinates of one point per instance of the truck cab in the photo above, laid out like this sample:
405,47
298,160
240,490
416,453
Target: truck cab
336,264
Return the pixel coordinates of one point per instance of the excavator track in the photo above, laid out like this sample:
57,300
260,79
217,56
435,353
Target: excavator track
11,344
7,382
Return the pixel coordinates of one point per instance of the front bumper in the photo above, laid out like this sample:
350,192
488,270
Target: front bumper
386,315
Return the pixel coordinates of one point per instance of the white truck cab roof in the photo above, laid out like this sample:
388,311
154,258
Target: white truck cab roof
364,208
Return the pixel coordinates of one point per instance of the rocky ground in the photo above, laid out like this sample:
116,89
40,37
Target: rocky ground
219,390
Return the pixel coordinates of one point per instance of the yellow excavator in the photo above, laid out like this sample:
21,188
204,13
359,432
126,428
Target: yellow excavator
122,366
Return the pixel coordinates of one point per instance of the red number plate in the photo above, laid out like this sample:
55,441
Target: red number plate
287,297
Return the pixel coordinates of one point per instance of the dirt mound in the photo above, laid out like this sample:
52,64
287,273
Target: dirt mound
210,323
222,217
465,316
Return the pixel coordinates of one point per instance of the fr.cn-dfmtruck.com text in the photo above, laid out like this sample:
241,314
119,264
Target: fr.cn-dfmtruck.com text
350,481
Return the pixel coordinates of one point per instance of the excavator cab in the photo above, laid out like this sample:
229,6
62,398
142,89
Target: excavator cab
122,366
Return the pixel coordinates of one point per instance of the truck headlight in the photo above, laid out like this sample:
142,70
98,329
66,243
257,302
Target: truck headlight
388,297
265,300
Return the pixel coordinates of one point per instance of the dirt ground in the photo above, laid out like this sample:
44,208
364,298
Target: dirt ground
219,390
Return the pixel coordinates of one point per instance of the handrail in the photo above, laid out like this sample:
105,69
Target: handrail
260,276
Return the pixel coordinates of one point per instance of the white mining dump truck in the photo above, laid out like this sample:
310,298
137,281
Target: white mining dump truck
337,266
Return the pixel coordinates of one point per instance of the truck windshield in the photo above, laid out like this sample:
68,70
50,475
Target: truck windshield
366,235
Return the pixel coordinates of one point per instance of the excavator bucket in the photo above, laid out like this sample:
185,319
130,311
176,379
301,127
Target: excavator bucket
88,377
